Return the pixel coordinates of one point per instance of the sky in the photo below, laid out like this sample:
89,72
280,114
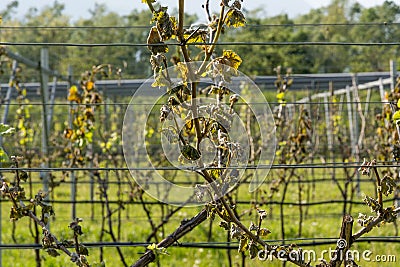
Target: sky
80,8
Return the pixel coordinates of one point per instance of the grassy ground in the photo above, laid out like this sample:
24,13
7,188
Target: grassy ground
322,221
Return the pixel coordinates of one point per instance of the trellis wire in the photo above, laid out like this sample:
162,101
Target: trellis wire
350,24
217,245
49,44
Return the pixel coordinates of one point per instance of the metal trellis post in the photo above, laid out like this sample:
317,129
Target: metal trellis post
51,106
72,173
44,79
350,119
8,96
393,74
4,120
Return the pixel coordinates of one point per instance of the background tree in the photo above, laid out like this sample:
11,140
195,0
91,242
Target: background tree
343,21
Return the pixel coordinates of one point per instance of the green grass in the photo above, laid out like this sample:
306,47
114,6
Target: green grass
135,228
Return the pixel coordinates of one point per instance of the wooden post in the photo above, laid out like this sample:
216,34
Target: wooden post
344,242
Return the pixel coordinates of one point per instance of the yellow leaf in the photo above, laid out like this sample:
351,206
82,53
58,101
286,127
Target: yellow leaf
233,58
235,18
379,131
68,133
280,96
152,246
264,232
89,85
197,37
183,70
153,40
73,94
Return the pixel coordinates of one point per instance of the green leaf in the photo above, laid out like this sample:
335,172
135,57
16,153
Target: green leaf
15,213
152,246
372,203
4,158
253,251
282,143
190,152
89,137
23,175
6,129
53,252
47,208
215,173
396,116
83,250
225,225
243,244
236,232
388,185
157,250
264,232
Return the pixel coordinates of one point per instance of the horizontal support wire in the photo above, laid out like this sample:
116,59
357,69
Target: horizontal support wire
315,203
352,165
236,104
49,44
351,24
304,242
303,181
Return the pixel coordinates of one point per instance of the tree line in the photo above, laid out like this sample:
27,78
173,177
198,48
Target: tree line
342,21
